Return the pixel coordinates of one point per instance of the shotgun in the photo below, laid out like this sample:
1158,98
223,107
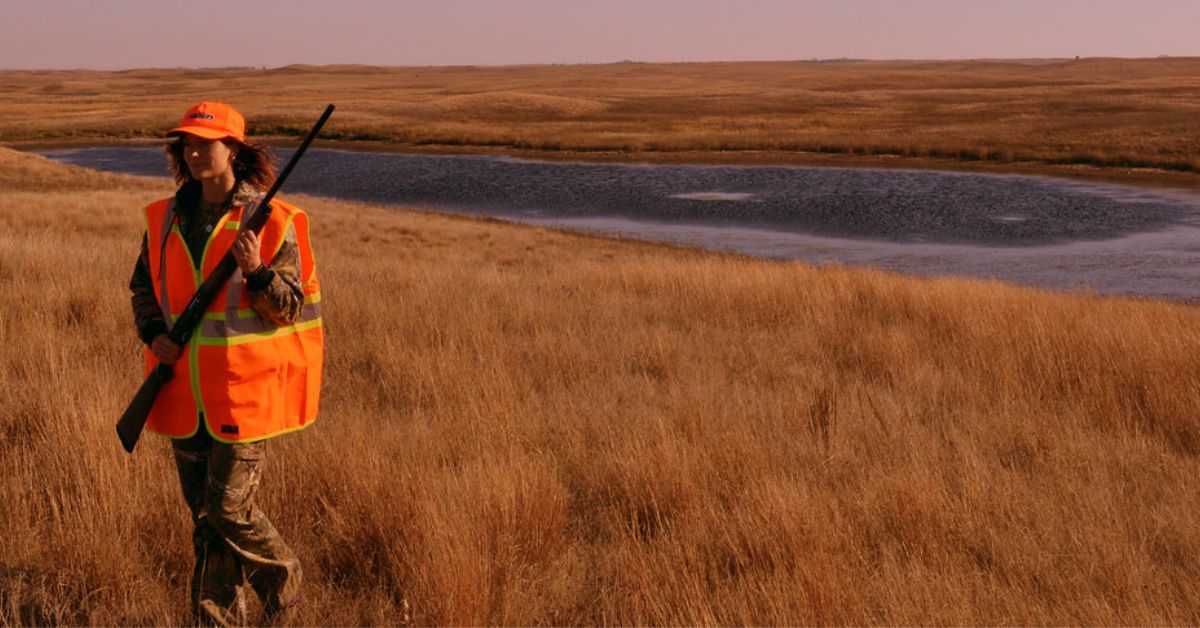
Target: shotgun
129,427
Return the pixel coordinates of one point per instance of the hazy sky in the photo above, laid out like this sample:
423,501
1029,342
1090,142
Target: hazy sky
214,33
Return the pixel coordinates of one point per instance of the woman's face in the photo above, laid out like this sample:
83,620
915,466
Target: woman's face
207,159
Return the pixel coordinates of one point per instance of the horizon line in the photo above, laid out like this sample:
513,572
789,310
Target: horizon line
813,60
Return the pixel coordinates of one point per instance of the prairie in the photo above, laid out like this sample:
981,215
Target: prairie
1121,119
523,426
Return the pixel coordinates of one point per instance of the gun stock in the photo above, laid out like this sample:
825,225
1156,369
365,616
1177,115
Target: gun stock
129,427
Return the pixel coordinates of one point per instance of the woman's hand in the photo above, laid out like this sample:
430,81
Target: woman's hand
248,252
165,349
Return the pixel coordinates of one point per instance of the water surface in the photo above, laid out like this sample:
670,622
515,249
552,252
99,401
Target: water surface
1031,230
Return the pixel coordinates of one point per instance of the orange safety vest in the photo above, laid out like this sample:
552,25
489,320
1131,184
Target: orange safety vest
247,377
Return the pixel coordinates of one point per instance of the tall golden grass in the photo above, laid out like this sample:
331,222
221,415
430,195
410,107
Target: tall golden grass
523,426
1110,113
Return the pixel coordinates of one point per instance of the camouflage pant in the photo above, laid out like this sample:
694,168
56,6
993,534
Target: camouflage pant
234,541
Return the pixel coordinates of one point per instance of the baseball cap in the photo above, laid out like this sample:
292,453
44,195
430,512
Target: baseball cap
212,121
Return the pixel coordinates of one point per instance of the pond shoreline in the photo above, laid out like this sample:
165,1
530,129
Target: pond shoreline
1150,178
1028,229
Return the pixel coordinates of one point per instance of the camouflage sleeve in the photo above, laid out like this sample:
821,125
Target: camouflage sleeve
275,291
147,315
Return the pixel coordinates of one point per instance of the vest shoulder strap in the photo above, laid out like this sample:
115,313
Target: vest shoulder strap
155,210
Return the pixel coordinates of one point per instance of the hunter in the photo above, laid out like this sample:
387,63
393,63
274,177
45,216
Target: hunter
252,369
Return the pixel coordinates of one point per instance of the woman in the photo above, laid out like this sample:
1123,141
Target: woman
251,370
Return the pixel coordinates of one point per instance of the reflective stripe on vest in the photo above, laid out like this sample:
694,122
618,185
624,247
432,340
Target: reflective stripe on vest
163,302
248,326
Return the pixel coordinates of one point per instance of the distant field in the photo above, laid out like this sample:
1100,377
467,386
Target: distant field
527,427
1106,115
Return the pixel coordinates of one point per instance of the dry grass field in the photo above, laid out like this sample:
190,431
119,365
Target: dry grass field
1064,116
523,426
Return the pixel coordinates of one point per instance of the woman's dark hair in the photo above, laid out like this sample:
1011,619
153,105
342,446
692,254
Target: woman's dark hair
254,163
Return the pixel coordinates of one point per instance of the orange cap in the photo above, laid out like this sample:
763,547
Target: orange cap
212,121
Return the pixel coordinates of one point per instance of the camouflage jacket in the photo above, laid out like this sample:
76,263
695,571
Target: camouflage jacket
275,291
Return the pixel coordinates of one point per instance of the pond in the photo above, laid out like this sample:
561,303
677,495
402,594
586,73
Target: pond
1036,231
